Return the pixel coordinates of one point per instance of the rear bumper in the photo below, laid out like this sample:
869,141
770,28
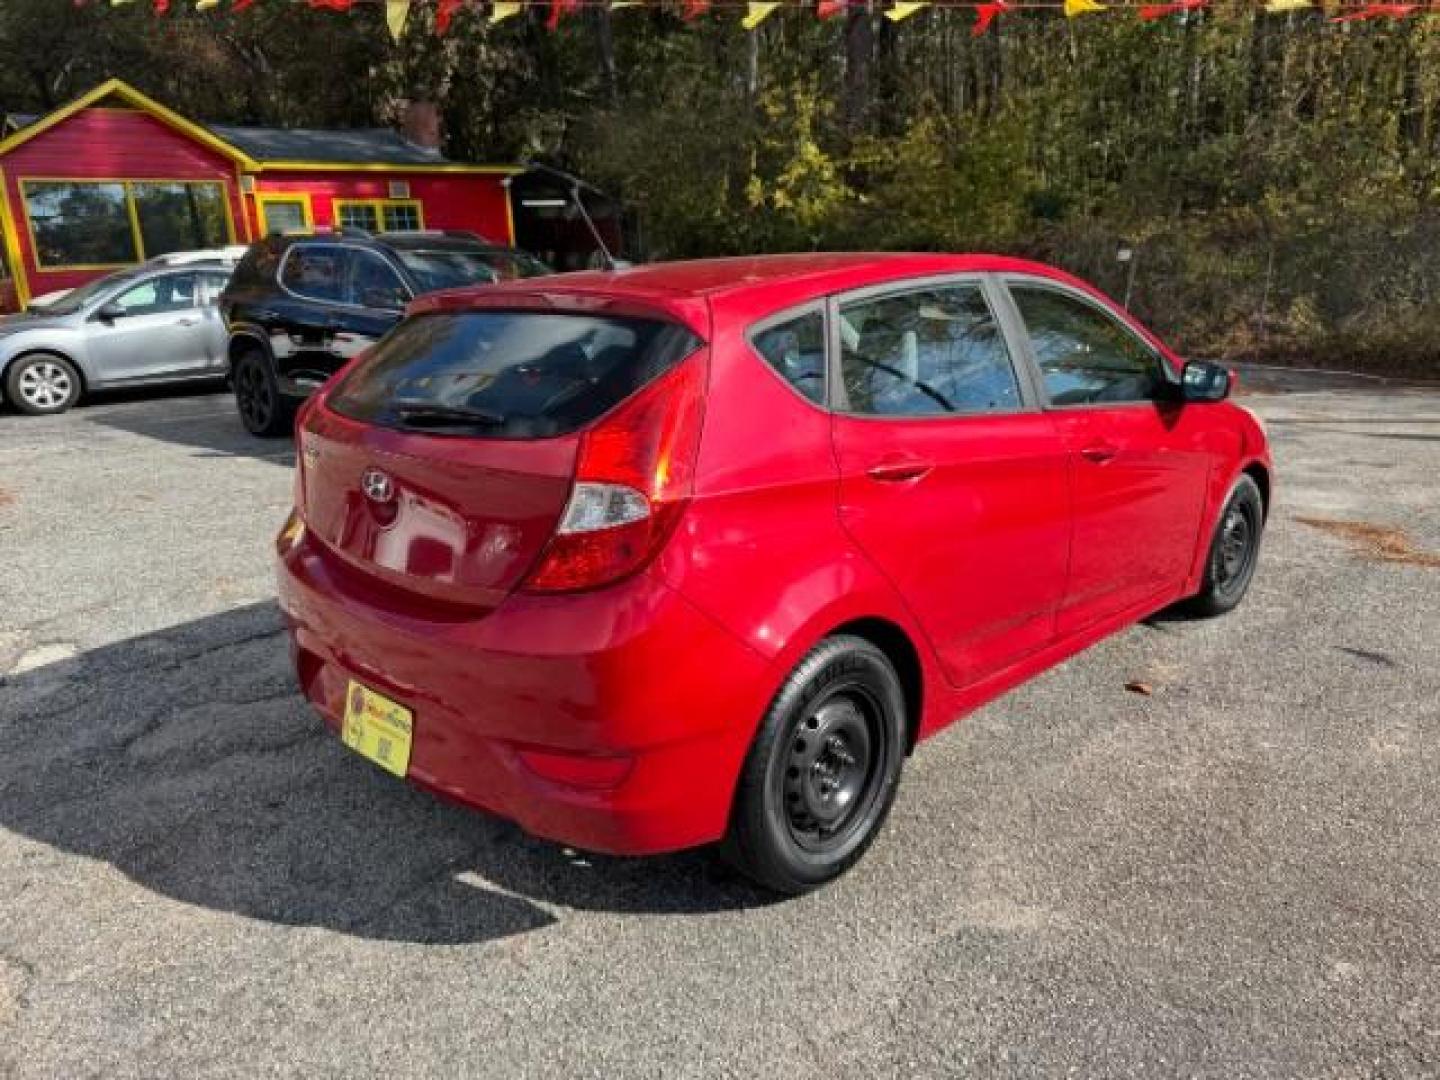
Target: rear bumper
632,678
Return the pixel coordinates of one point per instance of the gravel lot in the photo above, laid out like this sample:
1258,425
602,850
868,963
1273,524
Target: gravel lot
1235,875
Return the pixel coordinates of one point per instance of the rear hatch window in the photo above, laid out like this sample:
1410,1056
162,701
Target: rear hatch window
507,374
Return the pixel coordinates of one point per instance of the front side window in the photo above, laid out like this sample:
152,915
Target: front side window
85,224
452,267
179,217
172,292
374,282
931,352
1085,356
795,348
317,272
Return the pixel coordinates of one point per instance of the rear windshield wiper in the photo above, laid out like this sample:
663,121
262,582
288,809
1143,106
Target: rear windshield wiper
418,415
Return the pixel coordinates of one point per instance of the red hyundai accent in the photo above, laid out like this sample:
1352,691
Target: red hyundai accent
698,552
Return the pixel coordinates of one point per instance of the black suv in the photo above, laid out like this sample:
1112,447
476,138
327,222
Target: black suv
299,307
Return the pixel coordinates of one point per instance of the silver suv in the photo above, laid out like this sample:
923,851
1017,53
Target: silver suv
151,324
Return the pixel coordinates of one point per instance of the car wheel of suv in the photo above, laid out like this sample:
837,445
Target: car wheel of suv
1234,551
42,384
822,773
263,410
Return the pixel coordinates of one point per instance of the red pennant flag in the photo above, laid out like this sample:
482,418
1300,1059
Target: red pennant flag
828,9
240,5
693,9
558,10
331,5
444,12
1151,12
162,6
1378,11
985,14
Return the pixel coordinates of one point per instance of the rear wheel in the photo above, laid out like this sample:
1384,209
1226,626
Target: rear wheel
1234,551
822,774
42,384
263,410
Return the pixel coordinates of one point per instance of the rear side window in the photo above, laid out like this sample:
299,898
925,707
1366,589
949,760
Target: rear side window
931,352
317,272
507,374
796,349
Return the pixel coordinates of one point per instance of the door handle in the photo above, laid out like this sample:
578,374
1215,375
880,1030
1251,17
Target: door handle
899,472
1099,453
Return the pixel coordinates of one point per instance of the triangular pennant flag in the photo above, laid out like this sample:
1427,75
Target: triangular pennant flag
331,5
162,6
985,14
693,9
757,12
240,5
505,9
616,5
1280,7
117,3
206,5
558,10
828,9
1378,11
396,14
1151,12
1076,8
903,9
444,12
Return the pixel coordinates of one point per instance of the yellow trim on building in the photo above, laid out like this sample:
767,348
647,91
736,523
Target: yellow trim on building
510,215
131,210
380,205
11,241
262,198
341,166
135,99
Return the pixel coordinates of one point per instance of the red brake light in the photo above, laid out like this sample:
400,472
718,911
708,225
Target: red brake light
633,478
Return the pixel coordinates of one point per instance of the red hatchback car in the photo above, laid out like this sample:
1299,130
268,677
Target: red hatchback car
699,551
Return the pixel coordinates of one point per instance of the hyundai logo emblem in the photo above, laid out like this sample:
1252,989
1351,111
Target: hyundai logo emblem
377,486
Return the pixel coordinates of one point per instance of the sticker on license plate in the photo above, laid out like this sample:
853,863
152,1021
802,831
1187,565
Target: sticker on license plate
378,728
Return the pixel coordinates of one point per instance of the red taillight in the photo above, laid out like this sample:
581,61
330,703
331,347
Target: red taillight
632,480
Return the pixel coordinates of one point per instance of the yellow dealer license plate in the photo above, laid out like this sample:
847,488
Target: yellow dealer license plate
378,728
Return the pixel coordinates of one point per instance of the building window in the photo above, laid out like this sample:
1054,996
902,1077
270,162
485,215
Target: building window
379,215
115,223
284,213
80,224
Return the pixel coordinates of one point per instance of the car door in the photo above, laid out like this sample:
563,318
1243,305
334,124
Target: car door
319,323
150,329
217,336
1139,458
952,479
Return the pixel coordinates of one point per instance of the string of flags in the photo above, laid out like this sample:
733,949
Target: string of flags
987,12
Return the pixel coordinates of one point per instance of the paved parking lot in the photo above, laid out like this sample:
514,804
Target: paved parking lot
1236,874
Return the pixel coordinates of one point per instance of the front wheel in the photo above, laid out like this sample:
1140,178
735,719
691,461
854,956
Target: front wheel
263,410
1234,551
822,774
42,384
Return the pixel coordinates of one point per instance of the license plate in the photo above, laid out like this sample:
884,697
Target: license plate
378,728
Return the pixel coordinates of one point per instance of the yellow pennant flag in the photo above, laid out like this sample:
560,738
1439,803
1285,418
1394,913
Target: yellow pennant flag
504,9
904,10
1074,8
756,13
1279,7
616,5
206,5
117,3
396,12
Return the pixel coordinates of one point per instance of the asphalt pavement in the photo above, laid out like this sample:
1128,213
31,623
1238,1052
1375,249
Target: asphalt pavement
1230,870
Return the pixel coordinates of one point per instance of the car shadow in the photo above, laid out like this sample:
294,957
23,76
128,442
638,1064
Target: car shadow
200,416
187,760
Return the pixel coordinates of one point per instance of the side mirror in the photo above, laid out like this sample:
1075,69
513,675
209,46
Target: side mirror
1203,381
110,312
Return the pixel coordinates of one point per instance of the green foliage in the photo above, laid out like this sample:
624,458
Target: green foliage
1279,175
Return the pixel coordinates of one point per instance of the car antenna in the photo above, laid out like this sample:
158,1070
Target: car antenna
573,186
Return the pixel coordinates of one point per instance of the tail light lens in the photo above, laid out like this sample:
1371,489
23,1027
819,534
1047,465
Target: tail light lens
634,475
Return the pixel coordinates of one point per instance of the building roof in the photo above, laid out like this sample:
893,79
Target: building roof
353,146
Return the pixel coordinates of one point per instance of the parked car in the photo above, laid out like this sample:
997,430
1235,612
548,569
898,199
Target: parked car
154,323
301,306
226,256
698,552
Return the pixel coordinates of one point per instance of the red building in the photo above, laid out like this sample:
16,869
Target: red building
115,178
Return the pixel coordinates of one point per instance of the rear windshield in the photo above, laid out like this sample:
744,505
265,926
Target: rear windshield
449,269
507,374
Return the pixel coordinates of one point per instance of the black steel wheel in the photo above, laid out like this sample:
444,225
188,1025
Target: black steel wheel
1234,550
822,772
263,410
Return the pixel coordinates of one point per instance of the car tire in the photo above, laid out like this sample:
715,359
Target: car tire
263,409
823,771
1234,551
42,384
